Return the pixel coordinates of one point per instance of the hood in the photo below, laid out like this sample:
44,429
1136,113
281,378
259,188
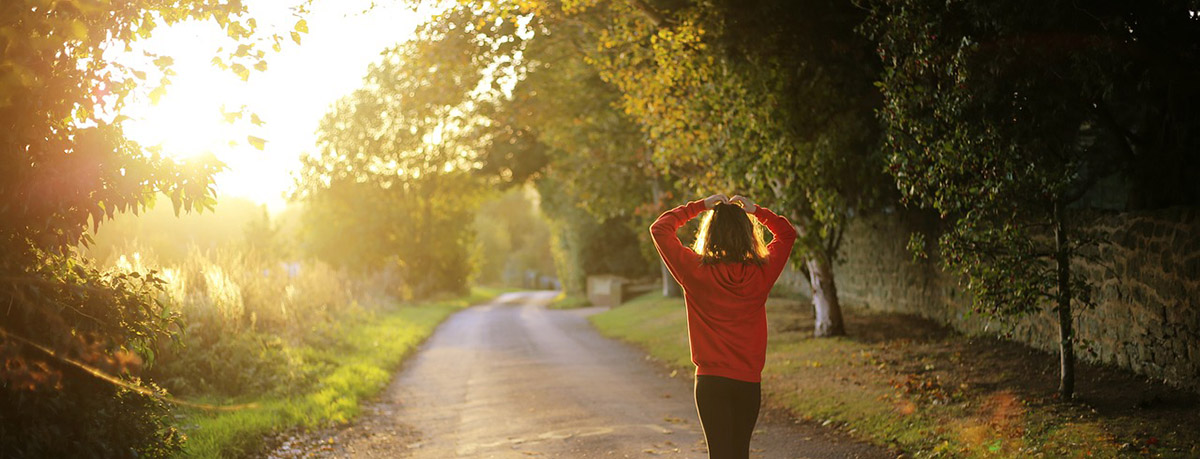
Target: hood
740,279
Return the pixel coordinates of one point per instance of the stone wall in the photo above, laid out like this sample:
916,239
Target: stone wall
1147,279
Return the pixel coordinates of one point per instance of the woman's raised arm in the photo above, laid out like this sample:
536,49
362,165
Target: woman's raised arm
663,231
780,247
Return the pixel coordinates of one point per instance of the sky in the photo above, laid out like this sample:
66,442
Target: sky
291,96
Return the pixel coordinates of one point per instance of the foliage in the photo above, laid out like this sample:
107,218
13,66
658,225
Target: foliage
396,164
613,249
170,237
996,113
505,98
568,227
770,99
83,417
291,343
584,245
105,321
598,184
557,127
978,135
513,240
67,168
1002,116
241,315
566,116
418,235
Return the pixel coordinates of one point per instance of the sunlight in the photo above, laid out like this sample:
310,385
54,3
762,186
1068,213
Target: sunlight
209,110
188,121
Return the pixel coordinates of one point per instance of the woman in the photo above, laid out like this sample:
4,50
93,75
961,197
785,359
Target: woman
726,277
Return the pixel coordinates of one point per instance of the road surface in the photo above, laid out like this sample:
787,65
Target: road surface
512,379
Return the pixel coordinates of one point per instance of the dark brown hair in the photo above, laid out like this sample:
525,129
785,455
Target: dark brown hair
727,235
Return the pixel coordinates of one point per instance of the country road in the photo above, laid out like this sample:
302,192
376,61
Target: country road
513,379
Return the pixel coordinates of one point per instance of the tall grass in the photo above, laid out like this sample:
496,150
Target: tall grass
245,317
302,342
354,365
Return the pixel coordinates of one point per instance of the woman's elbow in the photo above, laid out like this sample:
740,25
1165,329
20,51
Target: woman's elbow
660,227
788,230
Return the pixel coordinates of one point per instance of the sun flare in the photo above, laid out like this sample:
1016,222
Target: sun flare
259,127
188,121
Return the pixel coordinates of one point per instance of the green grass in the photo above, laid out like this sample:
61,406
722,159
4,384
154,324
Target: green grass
363,357
564,301
895,390
657,324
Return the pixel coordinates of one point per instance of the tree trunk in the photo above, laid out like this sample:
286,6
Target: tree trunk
825,298
1066,349
670,288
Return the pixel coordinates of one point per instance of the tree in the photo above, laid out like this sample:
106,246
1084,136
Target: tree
396,165
585,244
1003,117
593,167
513,239
67,167
547,118
770,98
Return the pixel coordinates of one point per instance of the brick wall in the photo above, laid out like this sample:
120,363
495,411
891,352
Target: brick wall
1147,279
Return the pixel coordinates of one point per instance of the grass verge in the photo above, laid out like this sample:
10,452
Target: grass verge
564,301
358,364
910,384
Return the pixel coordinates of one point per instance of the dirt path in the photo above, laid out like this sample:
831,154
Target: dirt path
513,379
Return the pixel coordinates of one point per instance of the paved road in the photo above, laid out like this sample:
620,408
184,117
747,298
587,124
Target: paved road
512,379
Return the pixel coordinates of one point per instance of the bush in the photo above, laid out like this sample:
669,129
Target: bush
244,315
68,323
85,417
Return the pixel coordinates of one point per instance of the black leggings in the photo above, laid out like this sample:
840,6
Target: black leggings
728,411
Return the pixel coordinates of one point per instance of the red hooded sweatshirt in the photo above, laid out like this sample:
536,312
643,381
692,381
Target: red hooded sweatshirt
726,313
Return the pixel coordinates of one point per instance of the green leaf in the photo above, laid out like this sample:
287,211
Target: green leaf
995,446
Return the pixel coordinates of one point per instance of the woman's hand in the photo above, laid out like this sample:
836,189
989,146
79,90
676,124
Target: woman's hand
747,205
715,199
